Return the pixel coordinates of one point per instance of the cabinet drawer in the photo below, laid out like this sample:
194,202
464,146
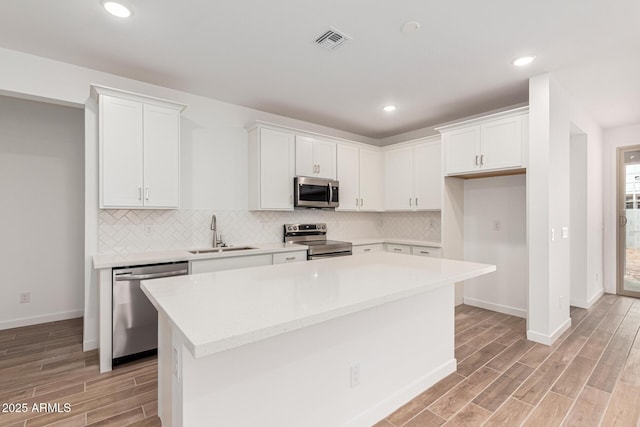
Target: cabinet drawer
427,251
219,264
365,249
398,249
284,257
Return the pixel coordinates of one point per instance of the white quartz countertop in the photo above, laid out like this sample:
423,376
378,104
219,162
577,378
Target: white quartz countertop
398,241
110,261
219,311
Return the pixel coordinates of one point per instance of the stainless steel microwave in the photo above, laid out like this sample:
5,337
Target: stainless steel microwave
315,192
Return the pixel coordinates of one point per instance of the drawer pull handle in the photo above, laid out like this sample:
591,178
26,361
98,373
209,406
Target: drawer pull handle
367,249
397,249
425,252
290,258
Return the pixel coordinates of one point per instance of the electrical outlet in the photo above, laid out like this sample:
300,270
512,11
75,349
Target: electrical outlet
553,234
148,229
355,375
25,297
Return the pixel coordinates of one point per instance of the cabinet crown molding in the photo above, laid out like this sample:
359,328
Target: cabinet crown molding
97,90
482,119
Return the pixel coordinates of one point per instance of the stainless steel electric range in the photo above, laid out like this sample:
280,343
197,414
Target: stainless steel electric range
315,237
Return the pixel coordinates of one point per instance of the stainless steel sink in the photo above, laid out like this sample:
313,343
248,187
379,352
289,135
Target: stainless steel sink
220,250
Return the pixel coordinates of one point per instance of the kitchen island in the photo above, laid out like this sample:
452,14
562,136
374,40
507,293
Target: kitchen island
333,342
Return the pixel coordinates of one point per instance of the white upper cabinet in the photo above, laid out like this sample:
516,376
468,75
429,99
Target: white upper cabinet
398,190
139,150
349,177
315,157
271,169
360,173
427,176
161,156
492,144
413,177
371,180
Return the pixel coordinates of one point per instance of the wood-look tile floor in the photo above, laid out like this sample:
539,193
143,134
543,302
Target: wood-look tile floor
44,364
589,377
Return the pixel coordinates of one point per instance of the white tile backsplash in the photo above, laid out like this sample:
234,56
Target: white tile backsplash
126,231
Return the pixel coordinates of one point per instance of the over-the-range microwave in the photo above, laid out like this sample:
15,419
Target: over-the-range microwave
316,193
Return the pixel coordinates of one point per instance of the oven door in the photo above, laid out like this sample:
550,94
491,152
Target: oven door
315,192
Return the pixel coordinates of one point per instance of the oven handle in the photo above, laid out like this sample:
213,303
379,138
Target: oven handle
331,255
330,193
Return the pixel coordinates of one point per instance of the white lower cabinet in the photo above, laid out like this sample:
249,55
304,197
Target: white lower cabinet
220,264
285,257
426,251
398,249
431,251
365,249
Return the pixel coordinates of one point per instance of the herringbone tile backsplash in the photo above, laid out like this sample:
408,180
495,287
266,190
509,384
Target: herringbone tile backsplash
127,231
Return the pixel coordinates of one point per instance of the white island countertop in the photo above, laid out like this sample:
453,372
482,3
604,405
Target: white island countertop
219,311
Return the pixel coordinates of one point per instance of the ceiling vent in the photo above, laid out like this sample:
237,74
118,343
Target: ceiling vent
332,39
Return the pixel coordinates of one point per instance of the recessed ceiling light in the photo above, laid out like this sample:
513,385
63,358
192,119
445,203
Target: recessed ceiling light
389,108
523,60
410,27
118,8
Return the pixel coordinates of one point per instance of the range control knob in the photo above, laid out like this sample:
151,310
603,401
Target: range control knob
323,226
295,228
289,228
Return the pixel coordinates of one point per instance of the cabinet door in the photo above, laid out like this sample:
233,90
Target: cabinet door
429,251
462,150
398,249
348,175
121,152
305,162
398,191
161,157
276,169
325,159
502,143
289,257
427,175
371,180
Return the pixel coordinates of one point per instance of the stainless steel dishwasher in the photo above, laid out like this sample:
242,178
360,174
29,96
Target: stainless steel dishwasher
135,319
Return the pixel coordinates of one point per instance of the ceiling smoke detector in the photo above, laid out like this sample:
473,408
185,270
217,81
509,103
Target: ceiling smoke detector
332,39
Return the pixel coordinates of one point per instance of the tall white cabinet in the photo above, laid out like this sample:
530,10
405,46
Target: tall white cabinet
139,150
413,176
271,169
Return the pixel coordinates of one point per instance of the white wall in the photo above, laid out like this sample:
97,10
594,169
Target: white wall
578,220
495,232
553,114
617,137
42,217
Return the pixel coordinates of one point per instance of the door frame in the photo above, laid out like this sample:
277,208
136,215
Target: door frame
620,212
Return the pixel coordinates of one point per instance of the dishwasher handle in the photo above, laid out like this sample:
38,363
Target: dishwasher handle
129,276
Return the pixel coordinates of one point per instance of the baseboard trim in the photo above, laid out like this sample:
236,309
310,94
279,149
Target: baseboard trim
402,396
581,303
35,320
512,311
88,345
549,339
595,297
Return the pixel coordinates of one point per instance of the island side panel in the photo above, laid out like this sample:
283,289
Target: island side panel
105,315
304,377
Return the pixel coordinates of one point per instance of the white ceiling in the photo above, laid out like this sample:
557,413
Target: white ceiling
261,54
